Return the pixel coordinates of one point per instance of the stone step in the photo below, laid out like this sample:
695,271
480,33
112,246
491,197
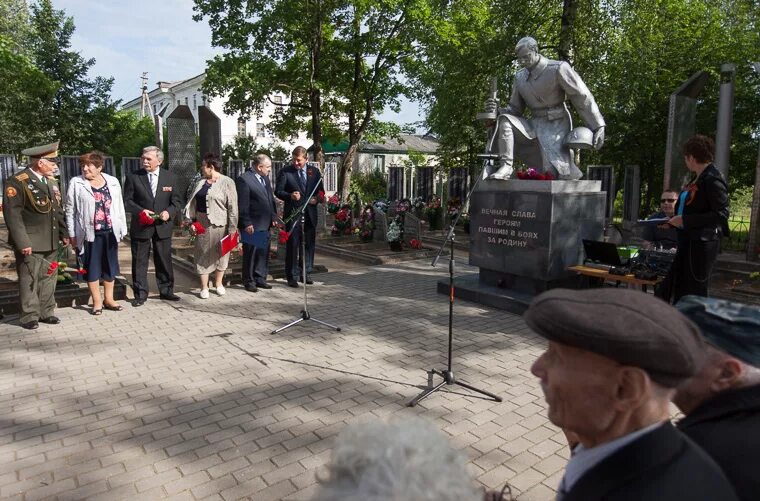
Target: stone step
66,294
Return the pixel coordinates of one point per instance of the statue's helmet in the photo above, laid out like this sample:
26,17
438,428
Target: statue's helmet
580,138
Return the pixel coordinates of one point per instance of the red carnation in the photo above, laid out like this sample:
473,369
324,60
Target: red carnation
282,237
198,228
146,219
321,196
52,268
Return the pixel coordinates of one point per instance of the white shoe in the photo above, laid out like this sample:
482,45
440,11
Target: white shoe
204,294
221,290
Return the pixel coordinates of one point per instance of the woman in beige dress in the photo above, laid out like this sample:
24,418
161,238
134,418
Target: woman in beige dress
213,204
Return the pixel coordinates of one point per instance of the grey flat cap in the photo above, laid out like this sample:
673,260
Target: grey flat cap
731,327
630,327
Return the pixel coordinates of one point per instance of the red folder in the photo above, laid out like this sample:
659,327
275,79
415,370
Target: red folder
228,243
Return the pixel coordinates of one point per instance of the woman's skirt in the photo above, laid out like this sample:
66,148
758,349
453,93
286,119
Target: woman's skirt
207,248
101,257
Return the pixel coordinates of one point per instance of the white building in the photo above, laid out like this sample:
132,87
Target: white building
167,96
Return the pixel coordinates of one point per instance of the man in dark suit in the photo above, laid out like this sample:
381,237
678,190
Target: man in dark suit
722,401
294,183
613,362
152,191
256,211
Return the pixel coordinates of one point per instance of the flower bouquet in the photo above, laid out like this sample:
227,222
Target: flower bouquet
415,244
195,229
342,224
433,212
366,225
146,219
533,174
395,234
333,204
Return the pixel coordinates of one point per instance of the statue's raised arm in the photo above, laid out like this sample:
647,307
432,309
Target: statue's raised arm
536,126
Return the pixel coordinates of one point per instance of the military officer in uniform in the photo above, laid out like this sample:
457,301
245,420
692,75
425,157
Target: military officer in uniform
35,221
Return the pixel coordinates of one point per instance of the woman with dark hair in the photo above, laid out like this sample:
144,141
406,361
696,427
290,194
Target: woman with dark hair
701,218
97,220
213,204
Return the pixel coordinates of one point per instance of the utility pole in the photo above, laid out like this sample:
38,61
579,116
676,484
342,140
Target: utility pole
145,105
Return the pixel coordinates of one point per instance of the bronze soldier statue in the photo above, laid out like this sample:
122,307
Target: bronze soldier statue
36,228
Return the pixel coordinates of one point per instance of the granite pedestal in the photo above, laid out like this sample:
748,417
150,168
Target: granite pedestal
523,237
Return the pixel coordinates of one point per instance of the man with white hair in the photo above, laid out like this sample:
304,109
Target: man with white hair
722,401
152,197
406,460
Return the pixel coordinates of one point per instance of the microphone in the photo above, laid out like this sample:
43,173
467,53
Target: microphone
488,156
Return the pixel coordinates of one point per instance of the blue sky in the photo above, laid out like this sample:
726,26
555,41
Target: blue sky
128,37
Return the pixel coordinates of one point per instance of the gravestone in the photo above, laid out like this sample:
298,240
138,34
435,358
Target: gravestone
631,193
7,169
321,218
523,237
459,183
381,226
605,174
425,178
395,183
412,227
210,131
129,165
180,137
682,119
235,168
330,177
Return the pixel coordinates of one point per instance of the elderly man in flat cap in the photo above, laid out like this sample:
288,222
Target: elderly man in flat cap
722,401
36,228
612,365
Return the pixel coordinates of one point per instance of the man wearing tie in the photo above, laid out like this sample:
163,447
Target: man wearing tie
256,210
294,183
153,191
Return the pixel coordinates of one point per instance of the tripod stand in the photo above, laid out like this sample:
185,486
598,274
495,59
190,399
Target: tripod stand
448,373
305,315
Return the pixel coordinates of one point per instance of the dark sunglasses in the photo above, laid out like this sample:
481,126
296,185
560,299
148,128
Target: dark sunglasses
671,200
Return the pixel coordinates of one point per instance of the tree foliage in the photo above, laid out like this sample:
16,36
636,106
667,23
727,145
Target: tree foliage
338,60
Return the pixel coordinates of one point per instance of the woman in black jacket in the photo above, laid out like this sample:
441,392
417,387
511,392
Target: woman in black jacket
701,218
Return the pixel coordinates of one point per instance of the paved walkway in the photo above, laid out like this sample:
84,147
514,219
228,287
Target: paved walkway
196,400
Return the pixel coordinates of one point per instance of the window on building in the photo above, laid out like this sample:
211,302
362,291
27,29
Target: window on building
154,109
179,102
186,101
379,162
241,127
277,99
195,104
261,130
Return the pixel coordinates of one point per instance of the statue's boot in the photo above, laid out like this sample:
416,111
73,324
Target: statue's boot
504,171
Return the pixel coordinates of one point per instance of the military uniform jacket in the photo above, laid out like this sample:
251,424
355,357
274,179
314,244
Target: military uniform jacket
727,427
662,465
33,212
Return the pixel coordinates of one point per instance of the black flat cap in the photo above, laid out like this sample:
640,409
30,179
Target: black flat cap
729,326
628,326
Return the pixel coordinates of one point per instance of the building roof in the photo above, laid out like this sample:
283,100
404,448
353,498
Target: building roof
163,87
404,143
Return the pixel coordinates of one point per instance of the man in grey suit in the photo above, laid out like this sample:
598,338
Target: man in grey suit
152,190
256,210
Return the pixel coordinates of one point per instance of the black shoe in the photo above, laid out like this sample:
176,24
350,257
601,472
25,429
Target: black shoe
138,302
169,297
30,325
251,288
292,283
309,281
52,320
264,286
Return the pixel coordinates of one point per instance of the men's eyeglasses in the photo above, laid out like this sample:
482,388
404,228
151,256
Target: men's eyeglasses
669,200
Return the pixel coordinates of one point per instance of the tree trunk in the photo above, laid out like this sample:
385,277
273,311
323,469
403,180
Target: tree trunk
569,11
753,240
344,175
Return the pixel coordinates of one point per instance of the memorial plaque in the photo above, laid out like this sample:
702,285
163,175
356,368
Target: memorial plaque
330,177
180,132
631,193
129,165
532,230
7,169
459,183
605,174
425,177
235,168
395,183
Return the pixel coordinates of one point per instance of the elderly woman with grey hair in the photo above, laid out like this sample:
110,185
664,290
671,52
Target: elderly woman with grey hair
214,205
398,461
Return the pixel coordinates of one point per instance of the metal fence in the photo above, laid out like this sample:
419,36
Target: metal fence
7,169
69,168
738,238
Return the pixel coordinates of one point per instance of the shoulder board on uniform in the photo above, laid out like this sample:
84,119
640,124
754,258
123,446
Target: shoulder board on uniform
22,177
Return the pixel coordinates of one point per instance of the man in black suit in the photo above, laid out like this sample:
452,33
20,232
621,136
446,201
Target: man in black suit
256,210
613,362
152,191
294,183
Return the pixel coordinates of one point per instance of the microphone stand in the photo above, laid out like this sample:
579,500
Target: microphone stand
305,315
448,373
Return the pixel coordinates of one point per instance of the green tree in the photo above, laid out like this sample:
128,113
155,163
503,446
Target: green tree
15,25
338,60
24,91
81,107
